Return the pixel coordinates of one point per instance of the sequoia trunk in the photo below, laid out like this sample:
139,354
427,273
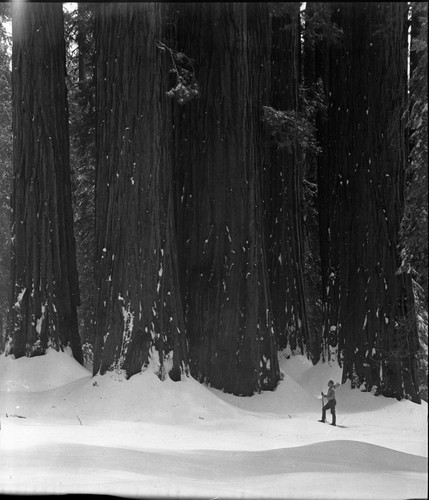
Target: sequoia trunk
44,281
138,308
219,156
362,182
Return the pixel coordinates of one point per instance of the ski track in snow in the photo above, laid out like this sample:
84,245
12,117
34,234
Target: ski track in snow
68,432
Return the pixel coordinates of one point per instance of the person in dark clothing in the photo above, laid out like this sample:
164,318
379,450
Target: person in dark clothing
330,405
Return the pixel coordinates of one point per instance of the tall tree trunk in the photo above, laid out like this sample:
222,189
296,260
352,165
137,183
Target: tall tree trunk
362,183
44,280
219,156
138,310
283,190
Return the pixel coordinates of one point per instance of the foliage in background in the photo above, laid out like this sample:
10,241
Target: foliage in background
414,232
185,86
414,227
289,128
5,166
319,25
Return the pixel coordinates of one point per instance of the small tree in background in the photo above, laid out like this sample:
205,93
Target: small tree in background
5,168
414,225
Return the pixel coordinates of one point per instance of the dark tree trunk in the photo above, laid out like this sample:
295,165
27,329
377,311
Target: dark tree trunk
283,192
138,309
362,183
219,156
44,280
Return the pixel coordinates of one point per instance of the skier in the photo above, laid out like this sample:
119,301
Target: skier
330,405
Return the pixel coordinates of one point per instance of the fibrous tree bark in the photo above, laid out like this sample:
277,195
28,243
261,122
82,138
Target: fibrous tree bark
368,313
139,314
44,284
218,159
283,189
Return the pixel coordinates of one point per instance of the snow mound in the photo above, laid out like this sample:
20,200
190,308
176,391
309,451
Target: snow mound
288,398
313,378
144,397
299,390
39,373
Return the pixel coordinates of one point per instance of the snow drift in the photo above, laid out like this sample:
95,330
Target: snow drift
64,431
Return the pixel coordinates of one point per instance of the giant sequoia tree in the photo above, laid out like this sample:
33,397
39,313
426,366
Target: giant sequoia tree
138,306
219,157
44,287
369,309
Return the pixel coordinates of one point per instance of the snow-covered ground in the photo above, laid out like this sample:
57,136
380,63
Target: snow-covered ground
64,431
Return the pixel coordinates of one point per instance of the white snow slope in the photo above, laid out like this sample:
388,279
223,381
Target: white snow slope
64,431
